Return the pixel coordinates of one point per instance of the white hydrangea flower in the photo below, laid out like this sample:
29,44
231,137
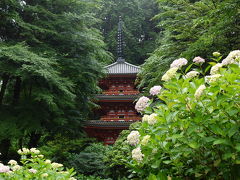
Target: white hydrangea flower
19,151
152,119
4,169
56,165
232,58
16,168
133,138
216,54
142,103
145,118
22,3
155,90
191,74
48,161
12,162
215,68
41,156
178,63
34,150
169,74
199,91
137,154
44,175
34,171
198,60
145,140
212,78
25,150
72,178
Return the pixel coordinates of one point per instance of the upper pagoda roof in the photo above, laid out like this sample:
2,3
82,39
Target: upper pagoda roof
122,67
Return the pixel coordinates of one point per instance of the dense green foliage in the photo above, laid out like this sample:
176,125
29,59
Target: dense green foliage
193,131
140,31
191,28
50,61
90,161
52,54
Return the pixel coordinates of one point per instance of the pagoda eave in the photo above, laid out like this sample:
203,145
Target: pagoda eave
108,124
127,98
121,75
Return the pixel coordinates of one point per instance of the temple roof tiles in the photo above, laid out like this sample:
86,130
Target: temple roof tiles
122,67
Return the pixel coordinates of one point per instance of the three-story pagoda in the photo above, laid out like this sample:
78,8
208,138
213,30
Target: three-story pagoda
119,92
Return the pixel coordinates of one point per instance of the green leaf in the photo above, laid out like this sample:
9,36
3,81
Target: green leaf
187,69
152,177
237,147
167,162
176,136
193,145
232,131
221,141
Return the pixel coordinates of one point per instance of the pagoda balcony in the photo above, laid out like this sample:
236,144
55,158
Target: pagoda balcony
117,97
120,92
136,118
108,124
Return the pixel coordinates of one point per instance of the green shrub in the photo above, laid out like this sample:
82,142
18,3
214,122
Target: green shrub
190,129
90,160
59,148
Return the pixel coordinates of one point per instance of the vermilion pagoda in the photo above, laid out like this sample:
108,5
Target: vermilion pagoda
117,110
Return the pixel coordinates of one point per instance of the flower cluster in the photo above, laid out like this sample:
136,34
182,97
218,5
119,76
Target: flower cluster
145,118
145,140
137,154
23,151
178,63
198,60
215,69
34,171
150,119
34,151
199,91
133,138
212,78
232,58
216,54
4,169
12,162
155,90
169,74
192,74
34,166
56,165
142,103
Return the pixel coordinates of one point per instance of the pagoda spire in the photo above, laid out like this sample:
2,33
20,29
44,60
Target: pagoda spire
120,41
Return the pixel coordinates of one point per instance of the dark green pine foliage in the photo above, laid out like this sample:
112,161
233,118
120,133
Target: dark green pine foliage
140,31
192,28
51,57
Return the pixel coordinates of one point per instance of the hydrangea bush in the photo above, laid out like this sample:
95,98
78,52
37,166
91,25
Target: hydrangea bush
190,128
33,165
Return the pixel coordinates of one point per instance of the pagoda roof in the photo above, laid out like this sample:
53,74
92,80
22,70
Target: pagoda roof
122,67
108,124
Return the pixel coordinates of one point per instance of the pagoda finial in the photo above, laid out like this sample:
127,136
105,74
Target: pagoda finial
120,41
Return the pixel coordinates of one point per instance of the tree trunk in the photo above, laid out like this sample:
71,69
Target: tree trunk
34,139
17,90
3,88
